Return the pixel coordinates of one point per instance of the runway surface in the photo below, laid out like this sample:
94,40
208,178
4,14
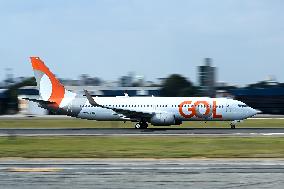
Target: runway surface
144,132
156,174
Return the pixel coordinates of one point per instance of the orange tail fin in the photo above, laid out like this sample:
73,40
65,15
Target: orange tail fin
49,86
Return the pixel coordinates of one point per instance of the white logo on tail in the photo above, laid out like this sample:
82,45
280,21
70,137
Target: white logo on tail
45,87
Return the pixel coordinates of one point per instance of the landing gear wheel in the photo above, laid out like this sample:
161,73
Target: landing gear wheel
144,125
233,126
138,126
141,125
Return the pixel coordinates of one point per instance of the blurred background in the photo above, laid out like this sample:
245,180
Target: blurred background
223,48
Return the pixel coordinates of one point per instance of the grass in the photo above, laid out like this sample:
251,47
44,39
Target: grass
142,147
79,123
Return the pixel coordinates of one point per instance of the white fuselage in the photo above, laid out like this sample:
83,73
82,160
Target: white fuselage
182,108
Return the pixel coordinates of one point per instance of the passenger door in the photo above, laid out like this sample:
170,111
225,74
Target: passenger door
228,108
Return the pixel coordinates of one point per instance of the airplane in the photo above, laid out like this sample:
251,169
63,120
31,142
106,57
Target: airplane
158,111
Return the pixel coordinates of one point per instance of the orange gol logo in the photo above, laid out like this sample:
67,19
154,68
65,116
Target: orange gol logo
194,109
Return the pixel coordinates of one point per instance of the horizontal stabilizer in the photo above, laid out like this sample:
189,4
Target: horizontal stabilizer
39,101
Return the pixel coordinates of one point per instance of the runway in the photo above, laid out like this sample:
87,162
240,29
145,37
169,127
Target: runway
140,173
144,132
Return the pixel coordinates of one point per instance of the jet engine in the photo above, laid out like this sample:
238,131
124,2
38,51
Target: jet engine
164,119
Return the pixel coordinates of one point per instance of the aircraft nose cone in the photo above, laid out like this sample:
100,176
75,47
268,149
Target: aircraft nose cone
252,112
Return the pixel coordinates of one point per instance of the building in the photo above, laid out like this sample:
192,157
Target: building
207,78
116,91
29,107
3,100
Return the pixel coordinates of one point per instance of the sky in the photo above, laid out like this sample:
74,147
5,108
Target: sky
153,38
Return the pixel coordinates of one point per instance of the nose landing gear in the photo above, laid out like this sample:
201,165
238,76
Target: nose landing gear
234,123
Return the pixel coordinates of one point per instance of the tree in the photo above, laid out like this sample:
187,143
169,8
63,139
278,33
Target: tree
177,85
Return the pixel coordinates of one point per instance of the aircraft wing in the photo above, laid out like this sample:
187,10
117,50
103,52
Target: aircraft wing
126,113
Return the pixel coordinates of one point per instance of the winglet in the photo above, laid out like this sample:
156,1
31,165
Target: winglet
90,99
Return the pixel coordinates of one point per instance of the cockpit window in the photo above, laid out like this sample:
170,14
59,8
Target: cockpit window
242,105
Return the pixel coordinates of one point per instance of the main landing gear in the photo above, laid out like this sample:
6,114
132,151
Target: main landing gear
141,125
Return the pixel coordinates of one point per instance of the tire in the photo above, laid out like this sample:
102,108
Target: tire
138,126
141,125
144,125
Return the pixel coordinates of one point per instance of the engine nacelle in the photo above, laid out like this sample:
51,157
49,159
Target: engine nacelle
163,119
